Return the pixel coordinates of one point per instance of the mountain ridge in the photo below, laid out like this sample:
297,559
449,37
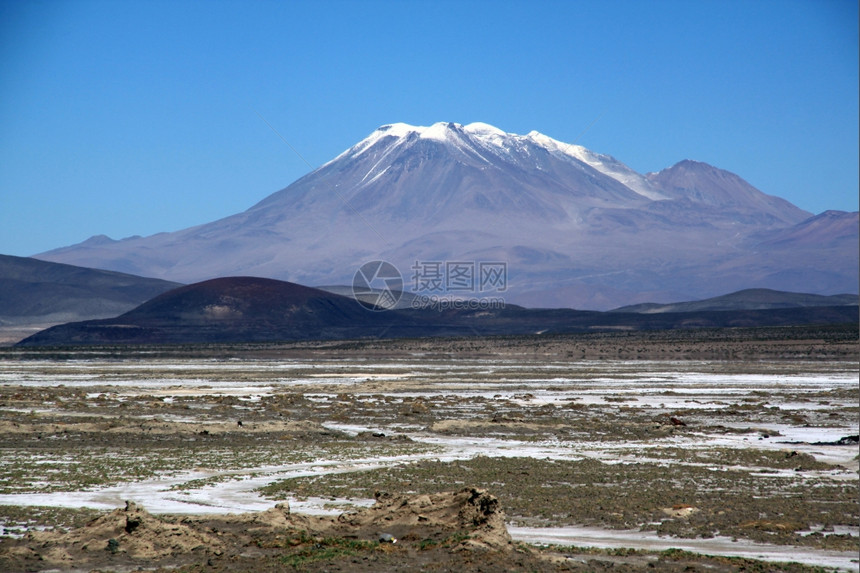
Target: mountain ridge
598,234
747,299
253,309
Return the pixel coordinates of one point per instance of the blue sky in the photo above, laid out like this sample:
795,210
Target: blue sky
134,117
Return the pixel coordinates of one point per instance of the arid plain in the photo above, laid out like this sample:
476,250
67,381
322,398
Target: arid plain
717,450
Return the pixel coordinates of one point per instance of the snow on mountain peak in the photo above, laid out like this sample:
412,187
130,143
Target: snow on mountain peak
478,138
554,145
539,137
487,134
603,163
398,129
441,131
480,128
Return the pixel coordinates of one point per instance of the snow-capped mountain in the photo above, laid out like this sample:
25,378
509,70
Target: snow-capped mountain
574,227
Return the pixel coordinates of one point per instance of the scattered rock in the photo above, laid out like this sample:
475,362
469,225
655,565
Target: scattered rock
680,510
112,545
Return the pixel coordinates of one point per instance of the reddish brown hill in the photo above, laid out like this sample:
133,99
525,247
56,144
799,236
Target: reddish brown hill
248,298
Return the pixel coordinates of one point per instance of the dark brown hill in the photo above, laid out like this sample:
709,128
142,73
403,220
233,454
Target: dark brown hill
227,309
247,298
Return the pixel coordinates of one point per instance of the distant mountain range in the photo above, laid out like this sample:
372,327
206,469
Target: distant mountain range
573,227
247,309
36,293
748,299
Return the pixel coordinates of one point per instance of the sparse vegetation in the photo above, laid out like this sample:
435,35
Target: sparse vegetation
626,444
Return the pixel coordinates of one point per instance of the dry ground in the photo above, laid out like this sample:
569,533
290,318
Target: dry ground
692,435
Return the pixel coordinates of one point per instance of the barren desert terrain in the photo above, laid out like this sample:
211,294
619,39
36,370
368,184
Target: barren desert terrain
718,450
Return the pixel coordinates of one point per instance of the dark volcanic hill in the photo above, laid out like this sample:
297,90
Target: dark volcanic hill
247,309
39,292
227,309
575,228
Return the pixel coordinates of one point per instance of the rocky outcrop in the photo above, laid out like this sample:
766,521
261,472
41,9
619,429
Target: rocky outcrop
462,521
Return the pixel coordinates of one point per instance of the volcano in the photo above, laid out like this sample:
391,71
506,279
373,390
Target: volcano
572,228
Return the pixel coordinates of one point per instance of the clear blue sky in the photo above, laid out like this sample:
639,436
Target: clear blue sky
135,117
